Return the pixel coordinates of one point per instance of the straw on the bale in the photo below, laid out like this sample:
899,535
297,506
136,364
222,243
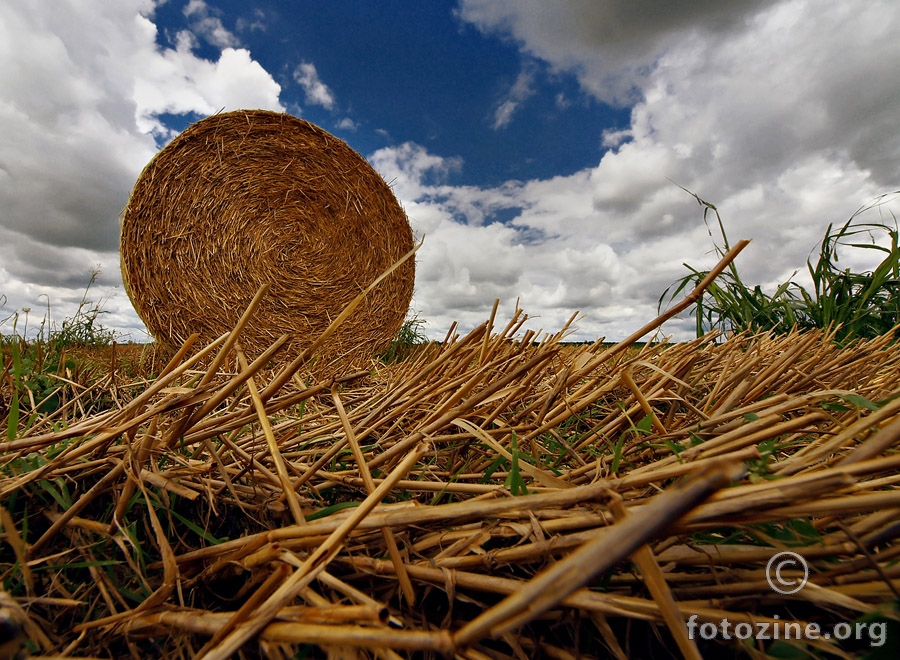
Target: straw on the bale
247,198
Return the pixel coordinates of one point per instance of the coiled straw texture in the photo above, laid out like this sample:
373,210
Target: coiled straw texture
250,197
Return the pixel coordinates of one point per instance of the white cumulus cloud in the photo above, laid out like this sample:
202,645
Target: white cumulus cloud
207,24
317,92
521,90
782,113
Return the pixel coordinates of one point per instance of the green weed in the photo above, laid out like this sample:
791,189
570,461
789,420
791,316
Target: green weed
858,305
84,328
514,481
408,339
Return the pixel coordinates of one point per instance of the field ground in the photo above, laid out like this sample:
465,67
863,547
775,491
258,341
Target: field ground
489,497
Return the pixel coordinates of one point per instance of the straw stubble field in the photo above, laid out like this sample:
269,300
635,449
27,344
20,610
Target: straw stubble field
495,495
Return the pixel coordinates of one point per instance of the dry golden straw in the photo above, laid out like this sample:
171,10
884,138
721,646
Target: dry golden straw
491,496
251,198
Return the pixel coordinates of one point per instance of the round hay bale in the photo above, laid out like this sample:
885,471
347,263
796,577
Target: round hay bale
249,197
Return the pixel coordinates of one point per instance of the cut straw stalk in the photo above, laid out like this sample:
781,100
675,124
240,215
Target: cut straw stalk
276,577
272,445
314,564
417,515
347,626
555,583
850,506
659,589
587,600
449,412
389,539
204,622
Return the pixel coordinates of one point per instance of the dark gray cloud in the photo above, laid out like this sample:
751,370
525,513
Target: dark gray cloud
610,45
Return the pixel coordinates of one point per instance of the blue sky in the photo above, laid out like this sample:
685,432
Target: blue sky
536,145
414,71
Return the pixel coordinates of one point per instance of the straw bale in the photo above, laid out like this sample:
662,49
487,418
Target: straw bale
252,197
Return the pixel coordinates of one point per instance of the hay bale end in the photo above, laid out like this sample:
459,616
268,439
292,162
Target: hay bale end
250,197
